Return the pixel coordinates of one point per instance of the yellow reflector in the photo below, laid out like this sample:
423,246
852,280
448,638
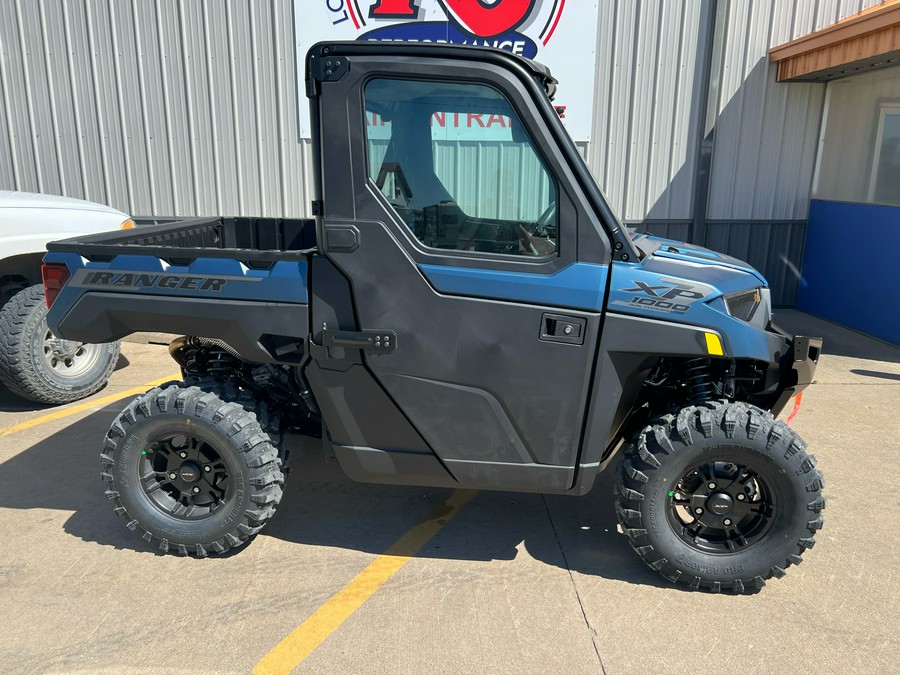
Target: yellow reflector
714,345
127,225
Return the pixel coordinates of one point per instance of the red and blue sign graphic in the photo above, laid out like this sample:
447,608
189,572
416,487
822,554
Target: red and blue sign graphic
468,22
550,31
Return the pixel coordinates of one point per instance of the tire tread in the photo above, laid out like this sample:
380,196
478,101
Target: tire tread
239,422
665,436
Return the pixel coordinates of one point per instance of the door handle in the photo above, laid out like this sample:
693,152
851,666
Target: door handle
378,341
561,328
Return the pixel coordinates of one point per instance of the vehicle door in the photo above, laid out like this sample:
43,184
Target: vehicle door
463,274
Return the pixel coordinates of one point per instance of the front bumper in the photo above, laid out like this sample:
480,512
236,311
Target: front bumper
797,368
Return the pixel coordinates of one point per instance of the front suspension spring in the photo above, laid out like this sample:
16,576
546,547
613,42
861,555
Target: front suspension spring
219,364
698,378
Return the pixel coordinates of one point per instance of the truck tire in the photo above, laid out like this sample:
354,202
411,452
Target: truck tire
719,497
191,473
39,367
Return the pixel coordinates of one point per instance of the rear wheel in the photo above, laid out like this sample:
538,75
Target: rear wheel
37,365
191,473
719,497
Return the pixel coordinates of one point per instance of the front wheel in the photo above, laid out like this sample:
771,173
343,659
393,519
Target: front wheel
719,497
37,365
190,472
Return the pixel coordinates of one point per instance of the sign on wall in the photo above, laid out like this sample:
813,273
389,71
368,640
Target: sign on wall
559,34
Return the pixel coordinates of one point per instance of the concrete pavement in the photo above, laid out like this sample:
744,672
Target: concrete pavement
514,583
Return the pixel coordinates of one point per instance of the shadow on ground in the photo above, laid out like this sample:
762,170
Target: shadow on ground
10,403
321,507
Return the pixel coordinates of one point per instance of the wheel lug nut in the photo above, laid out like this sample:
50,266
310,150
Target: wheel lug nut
207,468
727,521
712,486
183,455
741,497
173,476
196,489
698,511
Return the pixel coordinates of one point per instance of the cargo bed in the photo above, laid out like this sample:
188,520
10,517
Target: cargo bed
241,280
246,239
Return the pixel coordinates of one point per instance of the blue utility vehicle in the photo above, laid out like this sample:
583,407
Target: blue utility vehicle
464,310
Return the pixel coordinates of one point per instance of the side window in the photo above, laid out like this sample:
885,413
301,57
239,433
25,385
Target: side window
885,181
459,169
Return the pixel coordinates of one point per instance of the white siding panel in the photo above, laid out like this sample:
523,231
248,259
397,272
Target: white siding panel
16,86
82,88
296,187
174,99
62,113
164,108
201,146
7,168
113,160
646,115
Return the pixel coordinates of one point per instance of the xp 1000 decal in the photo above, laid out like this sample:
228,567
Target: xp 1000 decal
669,296
561,34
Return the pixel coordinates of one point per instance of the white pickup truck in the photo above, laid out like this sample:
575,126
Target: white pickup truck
34,364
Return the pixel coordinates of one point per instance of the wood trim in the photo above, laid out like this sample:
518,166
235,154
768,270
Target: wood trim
863,37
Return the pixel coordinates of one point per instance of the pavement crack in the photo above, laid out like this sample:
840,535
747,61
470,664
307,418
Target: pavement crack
587,622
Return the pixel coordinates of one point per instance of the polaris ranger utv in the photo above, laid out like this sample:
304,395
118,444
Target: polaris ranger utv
464,310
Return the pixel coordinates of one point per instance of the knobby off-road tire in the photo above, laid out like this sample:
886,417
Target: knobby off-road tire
719,497
190,472
36,366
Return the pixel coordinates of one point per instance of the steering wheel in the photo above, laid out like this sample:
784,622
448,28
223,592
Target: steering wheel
545,220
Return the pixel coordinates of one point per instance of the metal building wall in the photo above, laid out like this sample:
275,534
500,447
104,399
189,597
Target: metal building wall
189,107
158,108
649,69
767,132
765,136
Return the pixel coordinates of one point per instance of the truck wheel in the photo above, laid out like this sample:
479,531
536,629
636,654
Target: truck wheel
40,367
719,497
190,472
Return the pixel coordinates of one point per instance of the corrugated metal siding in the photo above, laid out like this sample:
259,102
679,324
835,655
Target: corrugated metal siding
677,230
189,107
645,125
519,186
767,132
775,248
156,108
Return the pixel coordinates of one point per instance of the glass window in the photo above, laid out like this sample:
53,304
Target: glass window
885,183
456,164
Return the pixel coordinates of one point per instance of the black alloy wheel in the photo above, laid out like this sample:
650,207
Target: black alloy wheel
720,507
185,476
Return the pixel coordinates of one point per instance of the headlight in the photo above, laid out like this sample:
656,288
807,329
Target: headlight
743,305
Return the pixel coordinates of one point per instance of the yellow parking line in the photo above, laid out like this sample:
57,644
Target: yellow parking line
88,405
303,640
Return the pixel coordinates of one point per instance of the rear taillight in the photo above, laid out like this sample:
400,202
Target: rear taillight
55,277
